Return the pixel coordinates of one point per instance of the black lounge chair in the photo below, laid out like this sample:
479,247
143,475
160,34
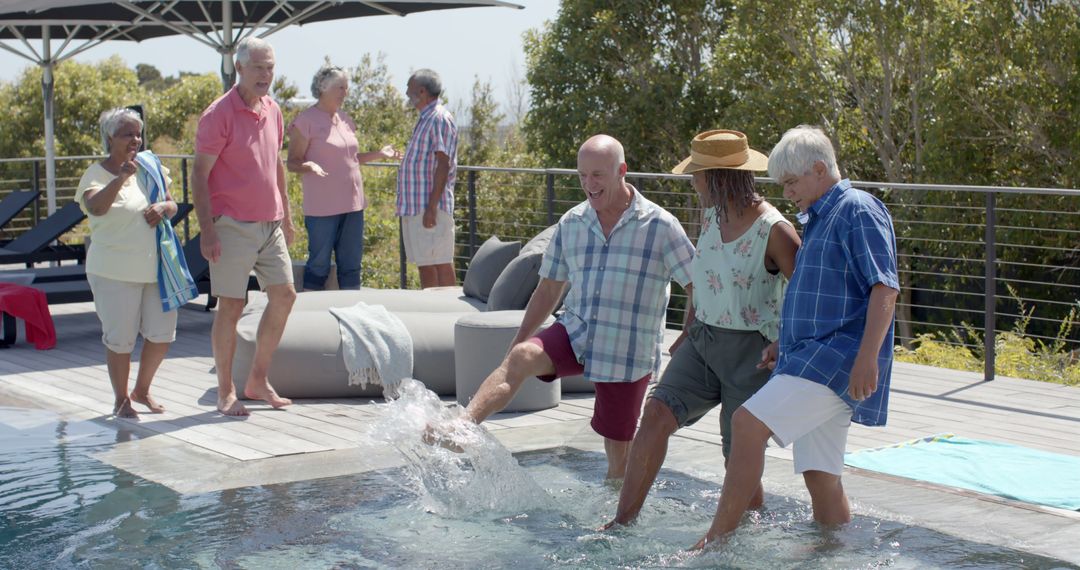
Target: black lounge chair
14,203
77,272
33,245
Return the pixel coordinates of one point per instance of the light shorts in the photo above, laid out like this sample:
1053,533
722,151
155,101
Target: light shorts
247,246
808,414
428,246
127,309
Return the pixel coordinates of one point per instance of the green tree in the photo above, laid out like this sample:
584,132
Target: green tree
635,69
479,141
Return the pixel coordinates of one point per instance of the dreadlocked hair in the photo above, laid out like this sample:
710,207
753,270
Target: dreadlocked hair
729,186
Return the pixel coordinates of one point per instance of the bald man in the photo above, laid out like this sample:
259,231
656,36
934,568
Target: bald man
617,251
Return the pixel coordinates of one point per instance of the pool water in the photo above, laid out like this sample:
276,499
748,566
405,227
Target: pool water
60,508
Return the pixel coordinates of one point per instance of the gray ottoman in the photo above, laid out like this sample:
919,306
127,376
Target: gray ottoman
480,344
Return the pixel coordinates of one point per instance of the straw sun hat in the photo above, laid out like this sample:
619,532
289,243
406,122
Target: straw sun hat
721,149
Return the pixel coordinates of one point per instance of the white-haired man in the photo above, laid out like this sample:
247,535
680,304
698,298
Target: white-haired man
425,184
618,252
238,184
836,336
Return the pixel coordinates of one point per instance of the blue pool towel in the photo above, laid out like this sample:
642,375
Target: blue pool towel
1001,469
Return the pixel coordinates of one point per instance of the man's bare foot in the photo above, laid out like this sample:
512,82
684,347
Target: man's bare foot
267,394
123,409
710,542
230,406
148,402
614,523
434,436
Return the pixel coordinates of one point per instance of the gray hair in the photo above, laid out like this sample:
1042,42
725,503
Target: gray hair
324,76
429,80
248,45
111,120
799,149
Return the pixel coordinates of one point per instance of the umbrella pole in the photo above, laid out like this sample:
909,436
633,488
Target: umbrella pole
50,139
228,70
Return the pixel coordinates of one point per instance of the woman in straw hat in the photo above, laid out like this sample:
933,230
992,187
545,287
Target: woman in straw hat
744,256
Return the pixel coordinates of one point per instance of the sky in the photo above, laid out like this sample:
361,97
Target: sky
459,44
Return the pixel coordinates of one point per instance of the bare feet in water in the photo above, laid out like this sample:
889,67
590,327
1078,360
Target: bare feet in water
123,409
230,406
267,394
147,401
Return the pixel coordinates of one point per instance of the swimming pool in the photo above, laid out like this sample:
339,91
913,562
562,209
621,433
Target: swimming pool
61,508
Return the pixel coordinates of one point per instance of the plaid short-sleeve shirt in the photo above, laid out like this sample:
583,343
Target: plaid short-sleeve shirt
619,285
435,131
849,246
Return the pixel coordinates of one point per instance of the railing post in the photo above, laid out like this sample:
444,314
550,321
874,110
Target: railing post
472,213
990,289
184,184
549,185
36,185
401,253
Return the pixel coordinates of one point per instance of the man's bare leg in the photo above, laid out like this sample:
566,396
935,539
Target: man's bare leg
223,339
647,454
280,299
445,274
524,360
827,496
617,453
747,463
153,353
119,365
429,276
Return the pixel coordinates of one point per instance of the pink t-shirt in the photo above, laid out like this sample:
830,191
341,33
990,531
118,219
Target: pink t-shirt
332,145
243,181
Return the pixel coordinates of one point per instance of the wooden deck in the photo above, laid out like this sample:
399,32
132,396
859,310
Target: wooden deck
192,448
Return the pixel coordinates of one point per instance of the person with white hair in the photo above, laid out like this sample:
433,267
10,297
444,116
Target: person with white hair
239,188
324,150
126,199
425,184
833,361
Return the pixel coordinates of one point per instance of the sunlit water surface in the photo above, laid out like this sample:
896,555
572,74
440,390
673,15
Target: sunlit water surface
483,508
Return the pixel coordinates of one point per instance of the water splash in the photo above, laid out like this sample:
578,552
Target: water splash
482,479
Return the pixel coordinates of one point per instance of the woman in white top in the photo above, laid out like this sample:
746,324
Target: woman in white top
122,262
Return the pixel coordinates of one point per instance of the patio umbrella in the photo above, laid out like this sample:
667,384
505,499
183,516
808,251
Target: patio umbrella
218,24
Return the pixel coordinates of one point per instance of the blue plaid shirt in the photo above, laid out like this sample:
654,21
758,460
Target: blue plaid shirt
619,286
848,247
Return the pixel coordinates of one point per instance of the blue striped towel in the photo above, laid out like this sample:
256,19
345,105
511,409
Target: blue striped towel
175,284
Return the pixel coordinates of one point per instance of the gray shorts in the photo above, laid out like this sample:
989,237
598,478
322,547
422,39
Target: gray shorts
247,246
713,366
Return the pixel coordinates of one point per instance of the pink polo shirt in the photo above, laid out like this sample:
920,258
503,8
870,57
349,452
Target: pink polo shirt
243,181
332,145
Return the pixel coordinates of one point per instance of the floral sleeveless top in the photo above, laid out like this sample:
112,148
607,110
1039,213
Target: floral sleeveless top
732,288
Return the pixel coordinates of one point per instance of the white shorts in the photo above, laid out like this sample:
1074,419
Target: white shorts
127,309
808,414
428,246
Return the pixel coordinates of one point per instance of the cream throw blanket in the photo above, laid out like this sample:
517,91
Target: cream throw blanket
375,345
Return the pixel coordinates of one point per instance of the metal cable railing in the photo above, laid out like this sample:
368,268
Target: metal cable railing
964,263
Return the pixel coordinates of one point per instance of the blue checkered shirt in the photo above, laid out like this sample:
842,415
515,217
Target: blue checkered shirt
435,131
619,286
848,247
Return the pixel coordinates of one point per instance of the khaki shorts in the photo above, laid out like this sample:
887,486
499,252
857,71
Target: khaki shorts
247,246
428,246
127,309
808,414
712,367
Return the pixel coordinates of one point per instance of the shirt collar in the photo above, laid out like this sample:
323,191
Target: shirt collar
429,109
826,203
238,103
635,210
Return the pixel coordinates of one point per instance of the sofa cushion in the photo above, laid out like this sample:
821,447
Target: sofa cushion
516,283
490,260
539,242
